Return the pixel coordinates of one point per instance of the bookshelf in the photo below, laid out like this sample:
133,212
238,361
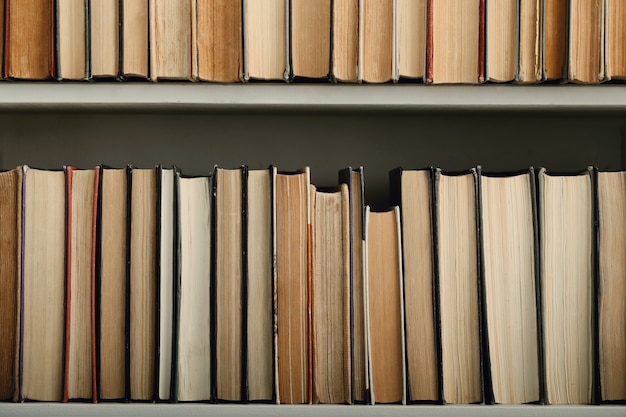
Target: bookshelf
328,127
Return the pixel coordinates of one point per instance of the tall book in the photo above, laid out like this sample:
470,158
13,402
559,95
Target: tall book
457,263
104,34
173,52
510,275
10,220
384,306
615,40
345,40
310,38
266,39
585,59
292,287
113,369
377,41
134,39
455,48
193,379
80,283
72,39
554,38
260,272
29,39
330,295
566,234
501,40
228,250
530,47
411,43
220,40
354,179
42,300
611,203
411,190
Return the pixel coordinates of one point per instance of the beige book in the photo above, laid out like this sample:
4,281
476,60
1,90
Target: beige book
585,61
377,63
71,40
411,54
135,27
501,40
345,40
104,41
310,38
615,39
530,41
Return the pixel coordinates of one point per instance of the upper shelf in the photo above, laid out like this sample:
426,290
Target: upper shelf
47,96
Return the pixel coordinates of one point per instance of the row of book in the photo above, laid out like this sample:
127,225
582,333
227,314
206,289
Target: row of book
376,41
252,285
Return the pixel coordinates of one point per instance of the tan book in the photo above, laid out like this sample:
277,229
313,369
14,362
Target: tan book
411,54
266,45
71,40
458,274
615,40
310,38
384,306
220,43
104,38
42,309
566,264
80,299
292,287
585,61
377,41
554,38
134,32
330,295
113,371
501,43
530,41
29,42
173,50
611,285
345,40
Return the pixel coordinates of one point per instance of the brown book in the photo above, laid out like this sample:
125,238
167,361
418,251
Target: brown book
566,236
10,204
112,349
134,32
384,306
345,40
554,38
266,48
612,285
310,38
292,287
377,62
42,302
330,295
173,53
104,38
455,42
29,39
615,41
220,43
80,283
585,61
501,40
411,54
71,40
457,268
530,47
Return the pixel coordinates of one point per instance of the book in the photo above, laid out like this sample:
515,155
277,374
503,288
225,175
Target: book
104,34
194,378
457,266
29,39
72,39
260,273
330,295
228,247
530,42
455,48
345,40
219,40
354,179
141,286
384,306
292,310
265,37
377,41
80,283
10,220
501,40
310,38
173,40
615,40
411,190
411,43
611,203
42,300
585,58
510,277
566,233
113,354
554,38
134,55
